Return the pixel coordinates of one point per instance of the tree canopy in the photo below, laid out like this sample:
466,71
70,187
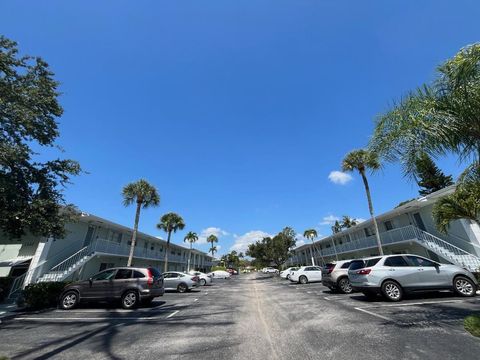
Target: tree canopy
31,190
274,250
429,177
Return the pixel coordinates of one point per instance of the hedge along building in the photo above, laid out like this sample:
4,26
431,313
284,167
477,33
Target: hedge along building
409,228
91,244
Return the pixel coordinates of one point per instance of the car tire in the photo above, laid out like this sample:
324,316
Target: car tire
392,290
464,287
303,279
181,288
288,277
344,285
203,282
69,300
130,299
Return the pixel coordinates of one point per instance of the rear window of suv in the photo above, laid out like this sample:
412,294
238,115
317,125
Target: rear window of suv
360,264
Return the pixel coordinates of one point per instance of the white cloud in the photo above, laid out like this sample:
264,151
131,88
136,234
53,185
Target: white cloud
202,238
359,220
329,220
241,242
338,177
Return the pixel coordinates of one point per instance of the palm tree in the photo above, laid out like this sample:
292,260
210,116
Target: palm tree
464,203
361,161
170,222
311,234
191,237
212,239
144,195
437,118
348,222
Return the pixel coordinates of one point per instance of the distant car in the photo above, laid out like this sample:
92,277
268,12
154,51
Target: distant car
220,274
306,274
179,281
130,285
335,276
394,275
285,274
204,279
232,271
270,270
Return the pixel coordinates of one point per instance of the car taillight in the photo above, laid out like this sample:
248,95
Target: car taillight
150,278
364,271
330,269
195,278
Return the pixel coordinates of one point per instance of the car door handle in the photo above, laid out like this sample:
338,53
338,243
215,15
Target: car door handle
420,269
391,269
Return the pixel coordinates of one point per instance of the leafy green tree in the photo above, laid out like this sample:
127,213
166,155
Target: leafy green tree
336,227
438,118
212,239
170,223
464,203
143,195
429,177
31,197
191,238
274,250
361,161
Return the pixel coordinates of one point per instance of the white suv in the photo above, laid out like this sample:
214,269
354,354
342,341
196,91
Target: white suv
306,274
393,275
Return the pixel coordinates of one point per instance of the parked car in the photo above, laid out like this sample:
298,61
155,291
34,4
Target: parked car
129,285
270,270
220,274
306,274
179,281
204,279
335,276
394,275
285,274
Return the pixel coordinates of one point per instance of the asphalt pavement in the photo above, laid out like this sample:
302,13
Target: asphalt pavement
250,316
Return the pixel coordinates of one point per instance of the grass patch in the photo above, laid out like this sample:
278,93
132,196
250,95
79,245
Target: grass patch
472,324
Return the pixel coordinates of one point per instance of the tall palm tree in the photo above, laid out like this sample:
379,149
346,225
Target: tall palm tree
361,161
348,222
143,195
311,234
191,237
170,222
212,239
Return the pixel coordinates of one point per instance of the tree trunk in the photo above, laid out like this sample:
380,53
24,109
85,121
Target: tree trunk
189,256
165,265
311,253
370,208
134,235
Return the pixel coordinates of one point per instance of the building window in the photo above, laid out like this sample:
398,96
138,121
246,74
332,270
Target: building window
388,225
369,232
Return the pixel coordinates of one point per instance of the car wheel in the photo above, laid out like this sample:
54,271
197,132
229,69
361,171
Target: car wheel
463,286
345,286
181,288
392,290
203,282
130,299
69,300
288,277
303,279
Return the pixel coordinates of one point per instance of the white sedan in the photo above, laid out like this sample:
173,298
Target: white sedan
285,274
220,274
306,274
205,279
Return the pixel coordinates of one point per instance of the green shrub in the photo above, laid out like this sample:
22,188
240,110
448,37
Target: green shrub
219,268
472,324
42,295
5,283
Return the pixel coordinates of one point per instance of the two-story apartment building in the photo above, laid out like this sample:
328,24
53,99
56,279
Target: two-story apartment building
90,245
408,228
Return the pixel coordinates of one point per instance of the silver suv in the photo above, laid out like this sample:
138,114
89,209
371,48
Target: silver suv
335,276
394,275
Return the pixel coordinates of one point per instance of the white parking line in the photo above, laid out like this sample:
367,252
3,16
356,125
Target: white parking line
416,303
172,314
195,300
84,318
374,314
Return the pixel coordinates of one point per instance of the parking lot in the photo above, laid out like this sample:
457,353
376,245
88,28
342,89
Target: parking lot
250,316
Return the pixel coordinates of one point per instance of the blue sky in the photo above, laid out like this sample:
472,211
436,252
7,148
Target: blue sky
237,111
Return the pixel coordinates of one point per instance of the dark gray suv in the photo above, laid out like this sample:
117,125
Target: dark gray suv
128,284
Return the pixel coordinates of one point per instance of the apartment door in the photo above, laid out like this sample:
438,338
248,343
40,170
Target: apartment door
89,236
419,221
